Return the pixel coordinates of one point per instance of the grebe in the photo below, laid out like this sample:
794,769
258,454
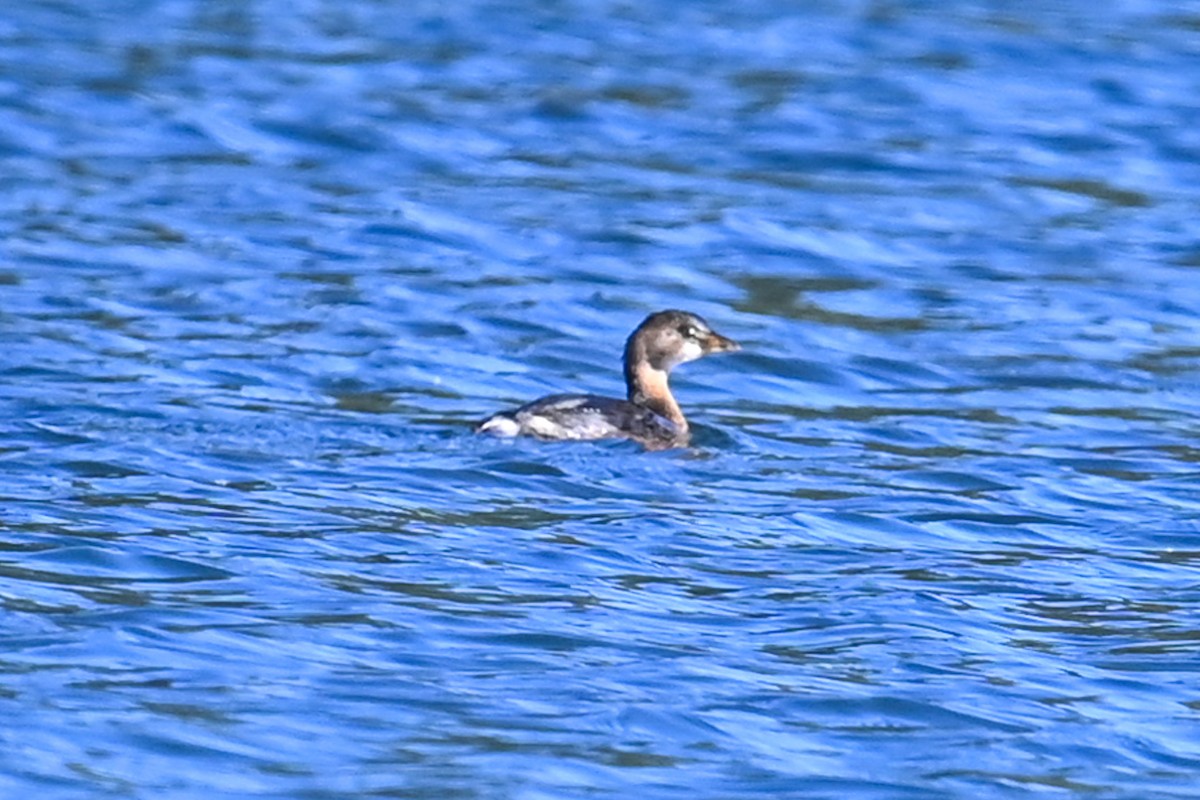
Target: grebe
649,415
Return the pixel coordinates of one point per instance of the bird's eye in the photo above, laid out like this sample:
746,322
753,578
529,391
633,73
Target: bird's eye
689,332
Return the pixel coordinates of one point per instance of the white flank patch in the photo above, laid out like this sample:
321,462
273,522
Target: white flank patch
540,426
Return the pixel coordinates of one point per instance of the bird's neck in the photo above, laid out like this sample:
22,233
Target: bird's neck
648,387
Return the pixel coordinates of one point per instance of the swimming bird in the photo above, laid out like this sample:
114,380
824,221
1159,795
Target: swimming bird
649,414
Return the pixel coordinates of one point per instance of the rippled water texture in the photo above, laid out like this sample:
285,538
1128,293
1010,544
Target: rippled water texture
265,263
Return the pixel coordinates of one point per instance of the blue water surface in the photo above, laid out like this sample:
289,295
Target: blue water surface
266,263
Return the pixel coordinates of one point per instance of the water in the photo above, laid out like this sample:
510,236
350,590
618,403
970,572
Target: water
265,263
